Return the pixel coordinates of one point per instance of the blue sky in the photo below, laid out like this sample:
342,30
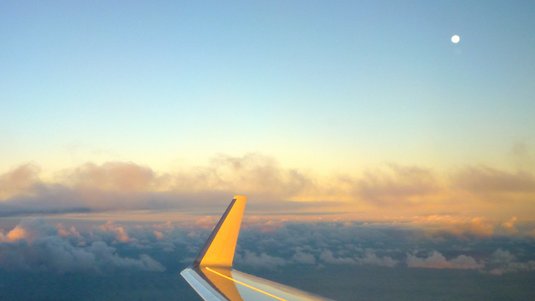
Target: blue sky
347,82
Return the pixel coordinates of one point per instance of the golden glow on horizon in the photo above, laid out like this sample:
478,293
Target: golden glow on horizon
326,163
386,191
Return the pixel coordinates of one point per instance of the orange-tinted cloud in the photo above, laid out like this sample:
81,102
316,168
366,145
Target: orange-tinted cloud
119,231
457,225
125,177
476,194
28,230
396,184
510,225
18,181
67,232
251,174
484,180
17,233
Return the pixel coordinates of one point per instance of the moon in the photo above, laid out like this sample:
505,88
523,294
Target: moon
455,39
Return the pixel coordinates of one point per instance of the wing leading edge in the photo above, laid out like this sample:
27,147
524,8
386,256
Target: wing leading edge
213,277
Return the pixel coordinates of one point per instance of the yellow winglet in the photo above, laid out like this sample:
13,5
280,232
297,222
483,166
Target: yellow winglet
220,246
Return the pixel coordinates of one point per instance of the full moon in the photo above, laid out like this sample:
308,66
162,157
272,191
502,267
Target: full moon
455,39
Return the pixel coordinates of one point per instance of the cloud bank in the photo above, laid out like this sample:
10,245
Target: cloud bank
388,191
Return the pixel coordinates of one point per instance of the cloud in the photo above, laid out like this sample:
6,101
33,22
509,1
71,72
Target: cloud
327,256
437,261
67,231
126,185
124,177
324,248
466,226
388,192
484,180
158,234
510,225
17,233
251,174
396,184
522,156
18,181
503,261
479,226
304,258
38,246
261,260
370,258
105,256
29,230
119,232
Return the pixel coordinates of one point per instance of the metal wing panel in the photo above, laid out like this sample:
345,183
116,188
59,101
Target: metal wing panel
281,291
229,284
203,288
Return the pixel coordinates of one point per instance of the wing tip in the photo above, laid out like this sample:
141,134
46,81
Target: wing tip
220,247
240,198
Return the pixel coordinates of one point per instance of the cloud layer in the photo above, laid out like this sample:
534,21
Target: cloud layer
388,191
337,259
95,247
34,245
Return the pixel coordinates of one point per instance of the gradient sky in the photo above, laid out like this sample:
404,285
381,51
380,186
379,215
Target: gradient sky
345,106
315,84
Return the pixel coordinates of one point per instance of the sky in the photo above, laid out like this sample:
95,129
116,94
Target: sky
320,85
124,114
360,103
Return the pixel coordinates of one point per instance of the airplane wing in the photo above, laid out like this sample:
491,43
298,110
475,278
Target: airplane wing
213,278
